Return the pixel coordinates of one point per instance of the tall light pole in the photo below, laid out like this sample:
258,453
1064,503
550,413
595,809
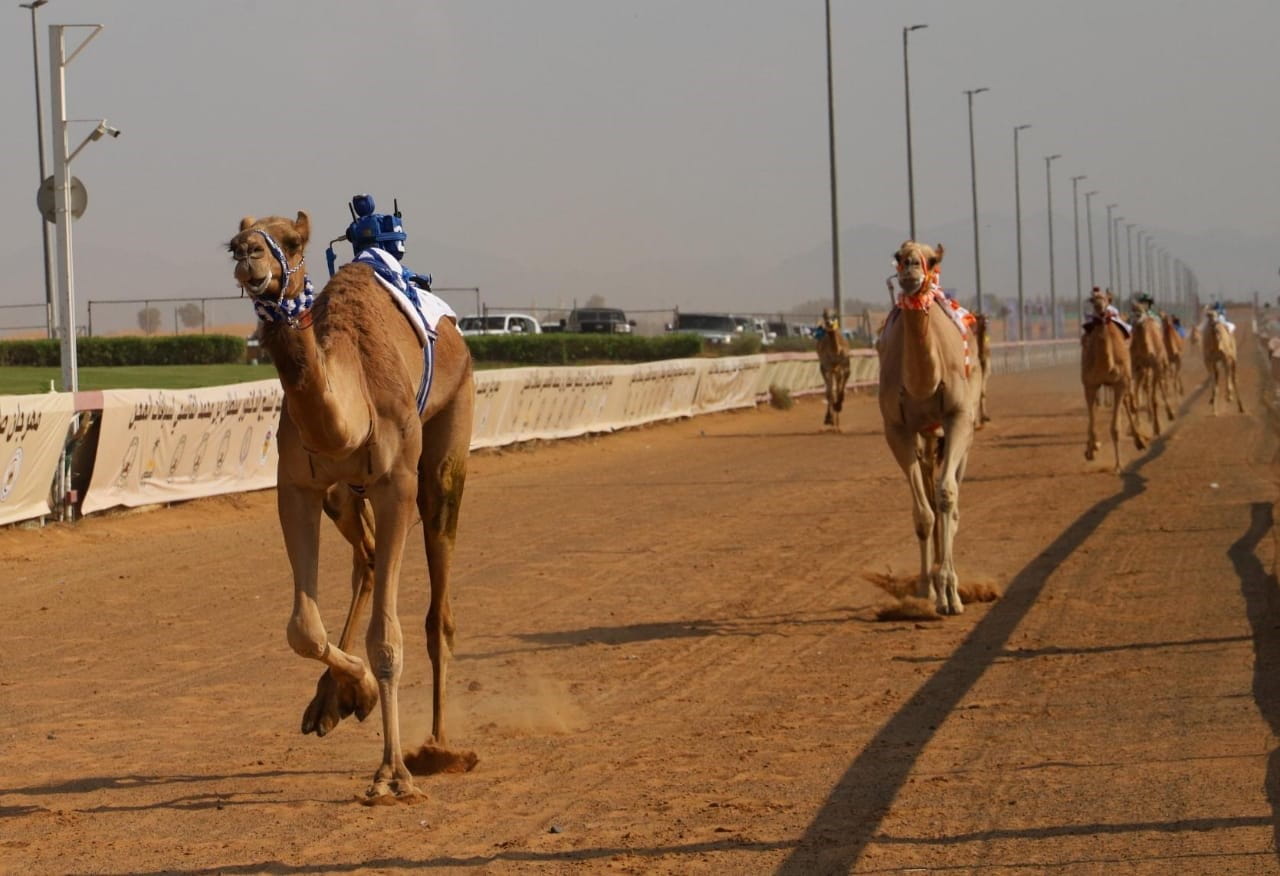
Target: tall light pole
1128,239
1017,211
831,155
1141,285
1111,277
1088,216
62,205
1115,231
973,182
50,306
906,81
1075,209
1053,292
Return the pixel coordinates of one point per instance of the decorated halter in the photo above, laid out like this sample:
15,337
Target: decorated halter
923,297
290,311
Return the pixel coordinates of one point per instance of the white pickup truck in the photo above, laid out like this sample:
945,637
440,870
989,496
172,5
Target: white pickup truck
500,324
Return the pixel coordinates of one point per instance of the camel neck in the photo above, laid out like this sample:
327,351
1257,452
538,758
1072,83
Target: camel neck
319,395
921,364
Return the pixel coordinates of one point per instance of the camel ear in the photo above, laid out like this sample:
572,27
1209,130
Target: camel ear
246,223
937,258
303,226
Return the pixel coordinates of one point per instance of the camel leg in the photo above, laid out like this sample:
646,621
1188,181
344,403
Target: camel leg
959,434
841,380
903,445
1164,381
828,381
1231,365
1151,380
300,520
1213,387
1091,396
393,501
336,697
442,476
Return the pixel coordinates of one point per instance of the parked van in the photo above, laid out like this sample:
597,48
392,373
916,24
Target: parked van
500,324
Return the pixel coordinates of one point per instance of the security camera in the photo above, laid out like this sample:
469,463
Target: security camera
104,128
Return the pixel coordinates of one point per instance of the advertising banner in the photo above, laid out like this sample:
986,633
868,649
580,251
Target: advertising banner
169,445
33,431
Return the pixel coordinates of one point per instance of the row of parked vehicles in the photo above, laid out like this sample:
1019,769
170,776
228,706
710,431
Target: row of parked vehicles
608,320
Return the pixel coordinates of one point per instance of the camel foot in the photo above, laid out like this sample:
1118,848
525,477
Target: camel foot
1139,442
431,759
335,699
827,421
1090,450
388,793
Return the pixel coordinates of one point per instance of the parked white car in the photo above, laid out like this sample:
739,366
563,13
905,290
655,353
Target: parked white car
500,324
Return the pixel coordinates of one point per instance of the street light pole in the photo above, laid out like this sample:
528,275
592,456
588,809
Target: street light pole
58,61
1128,238
1053,292
906,81
1088,215
1111,277
1075,210
1115,230
1017,210
831,154
1141,285
973,181
50,305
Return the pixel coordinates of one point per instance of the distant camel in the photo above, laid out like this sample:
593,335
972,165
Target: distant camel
1173,349
983,342
929,396
833,359
1150,365
1220,352
1104,361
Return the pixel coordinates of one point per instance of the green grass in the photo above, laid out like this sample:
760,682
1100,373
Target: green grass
21,380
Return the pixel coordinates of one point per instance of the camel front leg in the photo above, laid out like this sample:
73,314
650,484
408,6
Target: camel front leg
903,444
1091,445
337,697
1213,387
828,381
959,434
393,501
1234,388
841,381
299,509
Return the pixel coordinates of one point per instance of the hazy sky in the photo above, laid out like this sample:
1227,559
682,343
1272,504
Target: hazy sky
584,141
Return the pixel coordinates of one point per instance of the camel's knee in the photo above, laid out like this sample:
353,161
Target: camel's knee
385,648
948,500
307,636
440,629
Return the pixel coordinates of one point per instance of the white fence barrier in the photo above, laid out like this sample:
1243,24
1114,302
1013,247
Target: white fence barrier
156,446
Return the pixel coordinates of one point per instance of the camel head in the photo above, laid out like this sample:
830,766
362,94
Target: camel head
829,321
1099,299
268,252
917,263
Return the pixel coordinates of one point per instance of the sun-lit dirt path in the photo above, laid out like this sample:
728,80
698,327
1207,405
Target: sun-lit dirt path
668,662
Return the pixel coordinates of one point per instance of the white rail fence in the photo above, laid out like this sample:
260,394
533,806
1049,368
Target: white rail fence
147,446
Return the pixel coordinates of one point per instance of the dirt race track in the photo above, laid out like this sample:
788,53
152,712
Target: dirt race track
668,661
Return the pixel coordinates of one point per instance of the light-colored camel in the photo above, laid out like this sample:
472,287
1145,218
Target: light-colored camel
1220,360
1173,350
350,434
833,360
1104,361
1150,365
930,385
983,342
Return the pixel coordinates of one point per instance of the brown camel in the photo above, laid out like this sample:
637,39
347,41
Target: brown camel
983,342
1173,350
929,395
833,359
1150,365
1104,361
354,441
1220,359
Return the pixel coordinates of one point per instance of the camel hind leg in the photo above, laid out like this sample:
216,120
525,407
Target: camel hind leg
1091,396
1232,388
338,697
442,474
955,451
905,447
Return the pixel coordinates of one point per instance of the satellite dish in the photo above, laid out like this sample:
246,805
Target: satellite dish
44,199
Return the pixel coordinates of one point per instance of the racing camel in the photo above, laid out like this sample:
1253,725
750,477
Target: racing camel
1104,361
1173,349
352,432
833,360
1150,364
1219,346
929,396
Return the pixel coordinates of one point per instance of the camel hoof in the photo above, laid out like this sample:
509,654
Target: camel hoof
827,421
336,699
389,793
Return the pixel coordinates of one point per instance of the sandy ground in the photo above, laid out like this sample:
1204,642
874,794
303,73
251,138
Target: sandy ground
668,661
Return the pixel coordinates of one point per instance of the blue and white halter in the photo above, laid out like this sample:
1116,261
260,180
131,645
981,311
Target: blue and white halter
286,310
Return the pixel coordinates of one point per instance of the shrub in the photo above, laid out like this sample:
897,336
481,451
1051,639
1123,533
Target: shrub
129,350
